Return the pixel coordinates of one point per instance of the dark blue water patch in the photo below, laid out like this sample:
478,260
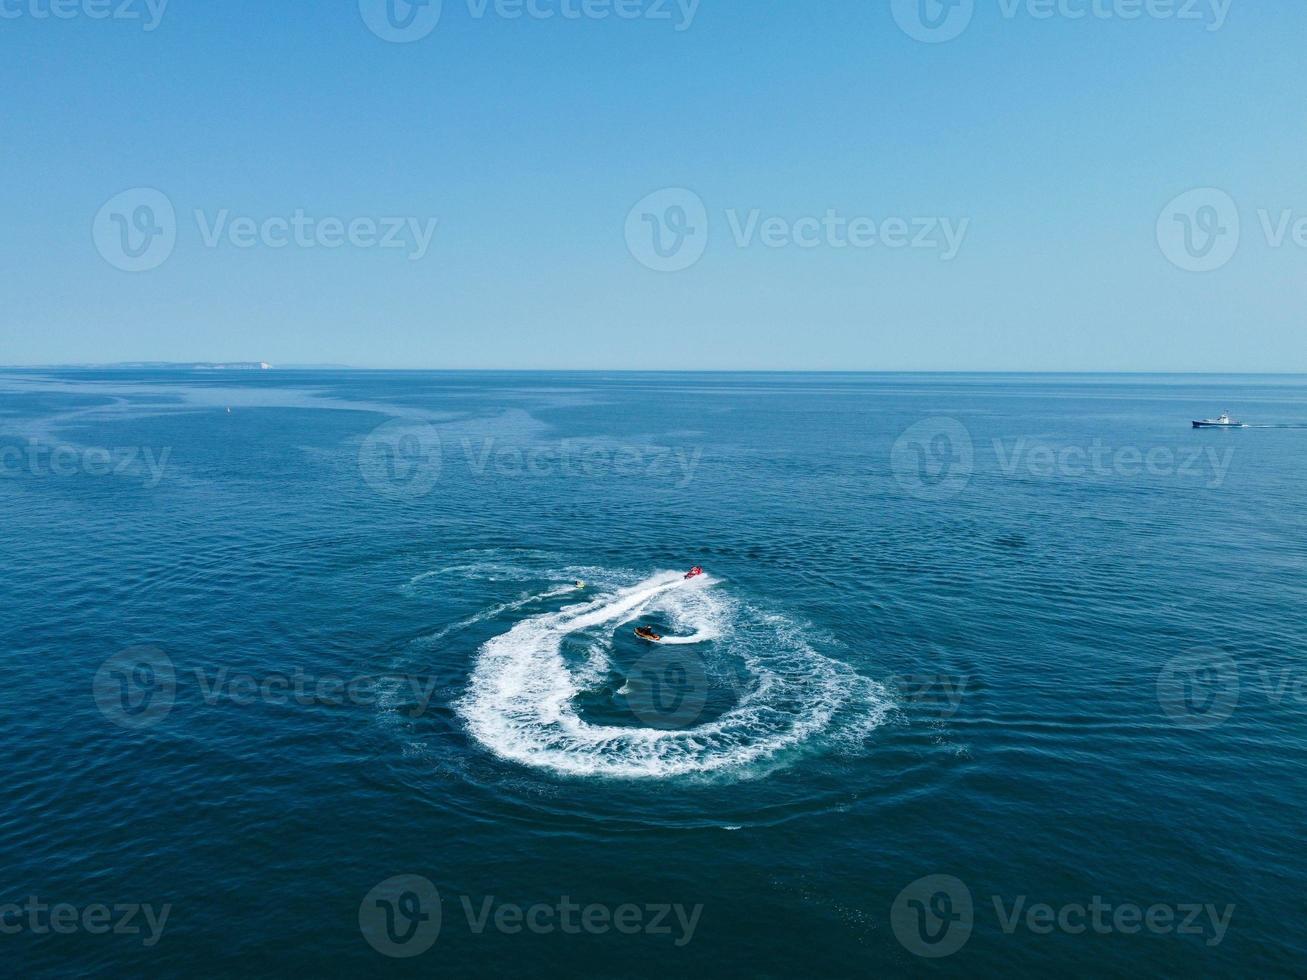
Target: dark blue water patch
1045,734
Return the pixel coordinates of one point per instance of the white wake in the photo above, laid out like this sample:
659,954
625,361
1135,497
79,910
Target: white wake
521,699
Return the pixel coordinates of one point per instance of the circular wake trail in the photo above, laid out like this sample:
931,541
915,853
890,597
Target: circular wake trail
520,703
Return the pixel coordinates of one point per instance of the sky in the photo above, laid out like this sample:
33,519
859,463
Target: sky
1062,185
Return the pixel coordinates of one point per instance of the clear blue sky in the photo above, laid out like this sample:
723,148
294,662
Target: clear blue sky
1060,140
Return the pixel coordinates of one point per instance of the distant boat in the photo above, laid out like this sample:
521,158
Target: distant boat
1224,422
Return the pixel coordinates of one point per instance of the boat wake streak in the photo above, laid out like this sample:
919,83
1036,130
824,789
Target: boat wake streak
521,702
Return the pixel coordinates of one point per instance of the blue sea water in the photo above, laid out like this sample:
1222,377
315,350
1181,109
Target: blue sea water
287,653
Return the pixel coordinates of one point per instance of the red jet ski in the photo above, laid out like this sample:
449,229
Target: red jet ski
645,633
695,572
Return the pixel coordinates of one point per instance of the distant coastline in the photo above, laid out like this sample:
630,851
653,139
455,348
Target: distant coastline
178,366
158,366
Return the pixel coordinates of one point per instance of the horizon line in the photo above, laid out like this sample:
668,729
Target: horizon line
192,366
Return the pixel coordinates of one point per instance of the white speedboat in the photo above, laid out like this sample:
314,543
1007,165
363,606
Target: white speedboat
1224,422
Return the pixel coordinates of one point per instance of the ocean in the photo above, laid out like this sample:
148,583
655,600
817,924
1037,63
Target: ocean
335,673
